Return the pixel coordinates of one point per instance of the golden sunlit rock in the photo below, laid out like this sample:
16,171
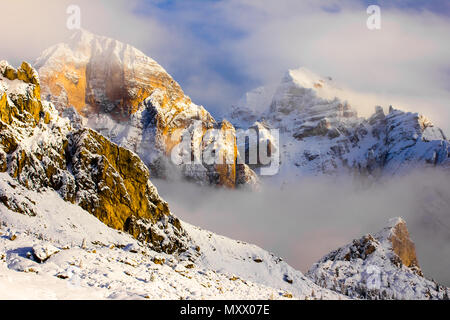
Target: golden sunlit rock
109,181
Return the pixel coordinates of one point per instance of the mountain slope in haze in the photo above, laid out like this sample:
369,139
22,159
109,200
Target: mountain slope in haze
382,266
321,133
131,99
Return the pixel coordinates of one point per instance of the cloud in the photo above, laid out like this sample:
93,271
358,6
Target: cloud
29,27
218,50
405,63
311,218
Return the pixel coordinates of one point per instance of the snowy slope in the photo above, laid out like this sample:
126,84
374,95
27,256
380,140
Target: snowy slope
97,262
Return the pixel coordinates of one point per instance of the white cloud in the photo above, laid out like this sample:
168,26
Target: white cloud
29,27
405,63
307,220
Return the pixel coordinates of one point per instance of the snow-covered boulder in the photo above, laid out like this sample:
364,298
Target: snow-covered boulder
44,251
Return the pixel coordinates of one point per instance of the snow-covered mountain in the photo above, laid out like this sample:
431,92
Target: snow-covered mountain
321,133
131,99
382,266
79,218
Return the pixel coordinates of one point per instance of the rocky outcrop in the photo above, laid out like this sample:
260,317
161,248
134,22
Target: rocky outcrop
42,150
43,252
402,244
132,100
379,266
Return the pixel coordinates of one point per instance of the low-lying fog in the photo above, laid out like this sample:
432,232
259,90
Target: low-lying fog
303,222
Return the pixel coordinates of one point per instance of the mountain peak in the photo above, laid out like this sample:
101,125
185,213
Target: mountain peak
81,36
306,78
128,97
97,74
382,266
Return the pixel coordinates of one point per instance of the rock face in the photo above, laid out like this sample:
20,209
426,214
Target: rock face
402,245
320,132
98,74
382,266
42,150
133,101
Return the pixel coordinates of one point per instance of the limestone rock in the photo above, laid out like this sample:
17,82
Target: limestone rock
87,169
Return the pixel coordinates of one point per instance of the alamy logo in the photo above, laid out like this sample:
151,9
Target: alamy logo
74,279
74,19
374,20
259,147
373,277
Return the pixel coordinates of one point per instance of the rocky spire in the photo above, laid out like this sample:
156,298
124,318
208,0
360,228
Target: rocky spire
397,235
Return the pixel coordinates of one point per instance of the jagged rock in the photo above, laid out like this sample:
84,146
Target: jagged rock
245,176
132,100
382,266
321,129
377,116
106,180
22,94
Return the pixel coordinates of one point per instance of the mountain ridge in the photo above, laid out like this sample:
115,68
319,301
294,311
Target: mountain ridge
321,133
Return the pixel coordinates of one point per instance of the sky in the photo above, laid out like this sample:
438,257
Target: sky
219,49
